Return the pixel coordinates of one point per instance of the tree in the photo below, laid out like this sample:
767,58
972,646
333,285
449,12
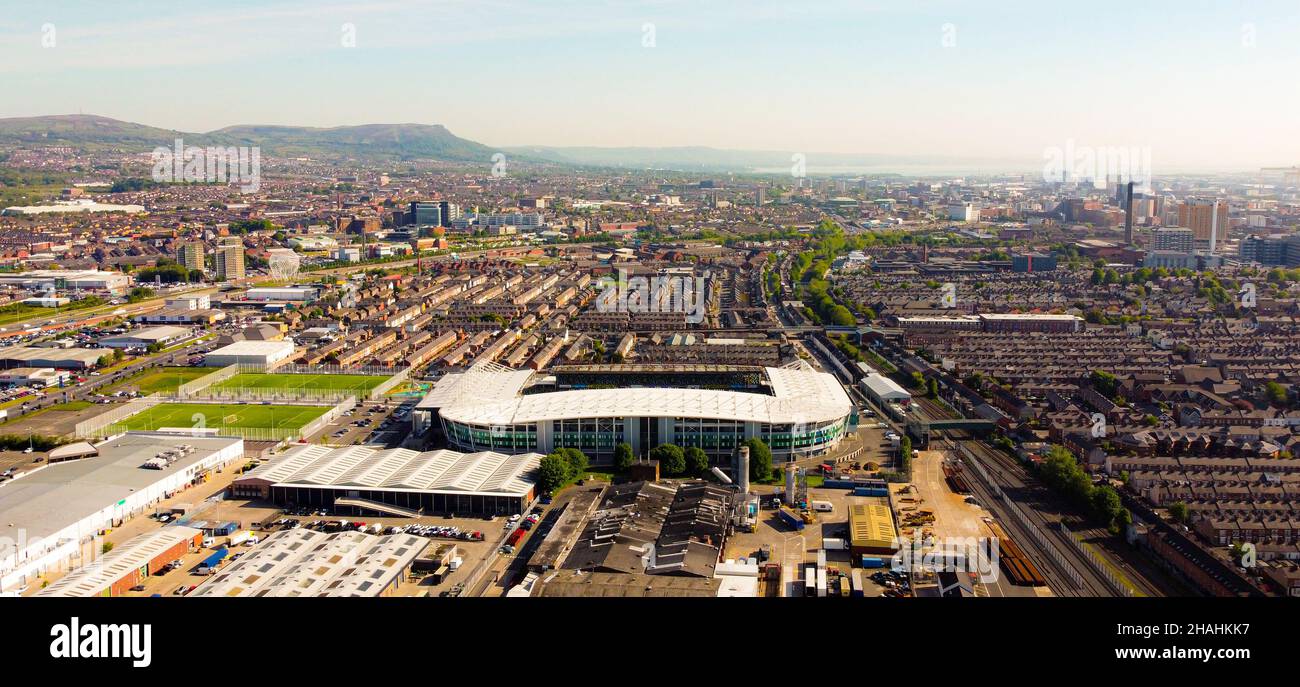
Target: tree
760,459
672,460
932,389
552,473
697,461
1276,394
575,460
1178,510
623,457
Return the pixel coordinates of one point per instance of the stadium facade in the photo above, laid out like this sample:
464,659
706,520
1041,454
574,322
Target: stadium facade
795,409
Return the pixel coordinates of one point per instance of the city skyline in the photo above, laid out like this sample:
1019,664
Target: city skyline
940,80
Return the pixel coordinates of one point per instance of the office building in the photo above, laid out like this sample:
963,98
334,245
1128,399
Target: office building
449,212
426,213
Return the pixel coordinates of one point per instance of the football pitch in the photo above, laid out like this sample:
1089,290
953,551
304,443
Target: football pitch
251,416
254,380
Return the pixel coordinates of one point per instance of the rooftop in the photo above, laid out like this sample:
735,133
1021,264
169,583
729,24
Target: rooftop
301,562
401,469
490,396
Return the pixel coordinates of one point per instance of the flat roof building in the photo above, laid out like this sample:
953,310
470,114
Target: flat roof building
48,514
250,353
143,338
62,358
302,562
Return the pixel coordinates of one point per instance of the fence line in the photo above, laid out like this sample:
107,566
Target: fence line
244,393
1097,565
393,381
94,426
195,385
276,434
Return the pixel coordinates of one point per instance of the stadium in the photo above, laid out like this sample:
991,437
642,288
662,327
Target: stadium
795,409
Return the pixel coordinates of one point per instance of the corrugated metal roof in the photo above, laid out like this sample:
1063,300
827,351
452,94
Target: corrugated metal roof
93,579
486,472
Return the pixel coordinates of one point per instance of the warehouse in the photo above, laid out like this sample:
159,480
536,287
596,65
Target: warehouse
127,565
883,389
871,530
62,358
301,562
115,283
250,353
395,481
143,338
47,515
291,293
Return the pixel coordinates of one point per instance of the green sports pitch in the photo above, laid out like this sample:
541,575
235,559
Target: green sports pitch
234,416
255,380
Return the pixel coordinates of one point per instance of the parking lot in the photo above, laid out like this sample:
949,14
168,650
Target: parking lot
383,423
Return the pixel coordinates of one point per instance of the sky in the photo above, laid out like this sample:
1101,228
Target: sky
1202,85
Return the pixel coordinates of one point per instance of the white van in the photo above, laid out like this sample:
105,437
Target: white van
822,506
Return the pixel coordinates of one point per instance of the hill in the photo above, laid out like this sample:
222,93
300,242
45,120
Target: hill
388,141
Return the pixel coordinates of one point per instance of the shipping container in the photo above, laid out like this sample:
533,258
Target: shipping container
791,518
872,562
870,491
810,581
210,564
821,582
855,583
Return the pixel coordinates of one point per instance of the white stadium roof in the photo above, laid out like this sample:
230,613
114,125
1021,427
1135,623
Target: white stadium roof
400,469
489,395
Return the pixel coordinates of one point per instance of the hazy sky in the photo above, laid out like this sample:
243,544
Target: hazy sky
1202,84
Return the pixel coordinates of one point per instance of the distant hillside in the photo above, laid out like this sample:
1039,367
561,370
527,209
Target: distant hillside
90,131
403,141
392,141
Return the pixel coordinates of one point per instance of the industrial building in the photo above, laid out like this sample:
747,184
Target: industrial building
143,338
128,564
47,516
61,358
248,352
883,390
301,294
654,528
301,562
871,530
395,481
796,410
114,283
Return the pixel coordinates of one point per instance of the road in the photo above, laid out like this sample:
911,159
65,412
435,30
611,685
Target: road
80,392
